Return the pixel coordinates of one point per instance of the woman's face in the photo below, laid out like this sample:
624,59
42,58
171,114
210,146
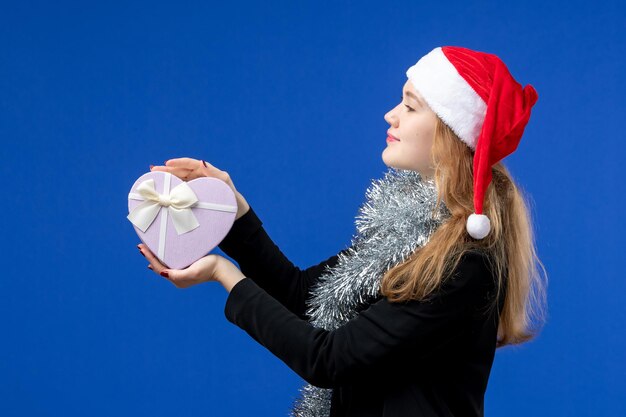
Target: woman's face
413,123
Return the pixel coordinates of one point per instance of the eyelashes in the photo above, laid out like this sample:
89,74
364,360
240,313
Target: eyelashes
409,108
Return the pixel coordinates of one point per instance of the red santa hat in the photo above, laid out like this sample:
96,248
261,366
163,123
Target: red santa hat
476,96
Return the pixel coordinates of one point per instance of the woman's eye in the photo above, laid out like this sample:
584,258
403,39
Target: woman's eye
402,99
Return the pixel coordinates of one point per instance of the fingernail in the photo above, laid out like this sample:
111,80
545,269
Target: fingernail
149,266
204,163
151,166
142,253
165,163
164,274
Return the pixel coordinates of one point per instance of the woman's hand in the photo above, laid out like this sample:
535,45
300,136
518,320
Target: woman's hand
209,268
188,169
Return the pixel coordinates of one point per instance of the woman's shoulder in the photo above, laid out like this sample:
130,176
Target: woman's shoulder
475,268
475,256
477,271
477,252
463,287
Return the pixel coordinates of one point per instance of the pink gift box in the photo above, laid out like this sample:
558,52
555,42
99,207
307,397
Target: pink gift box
180,221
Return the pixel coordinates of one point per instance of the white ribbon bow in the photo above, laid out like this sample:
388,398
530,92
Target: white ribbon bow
177,202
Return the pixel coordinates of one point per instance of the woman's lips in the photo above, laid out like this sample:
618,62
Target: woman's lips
392,139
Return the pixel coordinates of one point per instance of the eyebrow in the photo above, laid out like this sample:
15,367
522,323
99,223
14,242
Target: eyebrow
410,94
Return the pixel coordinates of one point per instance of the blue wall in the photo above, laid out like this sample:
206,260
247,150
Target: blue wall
289,98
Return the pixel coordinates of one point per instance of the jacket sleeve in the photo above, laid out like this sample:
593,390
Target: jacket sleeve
261,260
380,340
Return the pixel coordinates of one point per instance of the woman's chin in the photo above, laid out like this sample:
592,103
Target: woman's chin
385,157
388,159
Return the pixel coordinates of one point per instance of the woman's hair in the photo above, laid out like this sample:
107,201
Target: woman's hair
509,244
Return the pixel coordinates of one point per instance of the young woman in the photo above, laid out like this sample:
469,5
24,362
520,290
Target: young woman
406,321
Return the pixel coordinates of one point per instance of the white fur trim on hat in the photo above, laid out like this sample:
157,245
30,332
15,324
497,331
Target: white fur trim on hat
449,95
478,225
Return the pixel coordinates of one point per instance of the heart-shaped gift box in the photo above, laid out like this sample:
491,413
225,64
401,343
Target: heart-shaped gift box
180,221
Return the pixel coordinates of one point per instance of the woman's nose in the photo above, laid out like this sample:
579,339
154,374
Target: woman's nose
391,119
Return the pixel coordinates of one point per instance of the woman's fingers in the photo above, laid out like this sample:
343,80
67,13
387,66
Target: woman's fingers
191,164
188,163
180,172
156,265
169,168
209,165
201,270
181,278
188,169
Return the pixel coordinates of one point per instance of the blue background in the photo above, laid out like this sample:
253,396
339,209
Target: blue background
289,98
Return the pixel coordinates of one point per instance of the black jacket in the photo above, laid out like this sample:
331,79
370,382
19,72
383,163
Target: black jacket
408,359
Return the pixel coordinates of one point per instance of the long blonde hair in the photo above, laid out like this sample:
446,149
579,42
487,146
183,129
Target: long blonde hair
510,242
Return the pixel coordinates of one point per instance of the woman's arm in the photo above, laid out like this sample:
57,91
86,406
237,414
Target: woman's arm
261,260
382,339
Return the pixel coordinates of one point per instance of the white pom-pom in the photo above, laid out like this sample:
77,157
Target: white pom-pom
478,225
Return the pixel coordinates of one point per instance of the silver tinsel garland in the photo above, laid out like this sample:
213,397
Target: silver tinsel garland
395,219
